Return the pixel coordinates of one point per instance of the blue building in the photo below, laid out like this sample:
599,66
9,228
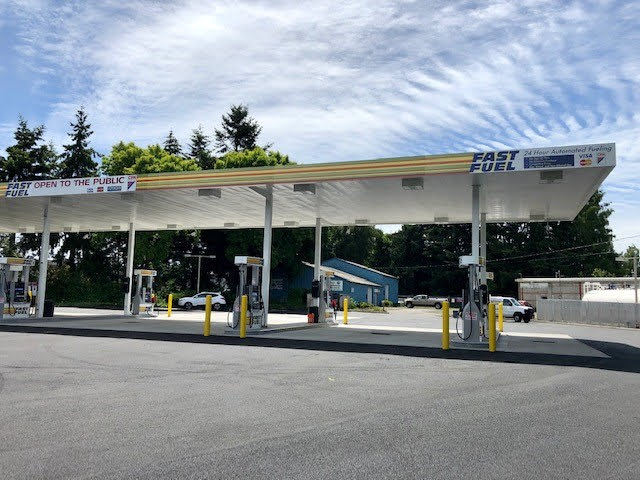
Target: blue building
361,283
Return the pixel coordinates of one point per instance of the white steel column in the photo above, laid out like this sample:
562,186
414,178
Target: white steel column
131,246
199,268
483,248
475,223
317,253
44,263
266,251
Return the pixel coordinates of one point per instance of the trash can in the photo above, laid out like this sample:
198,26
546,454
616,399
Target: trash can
47,311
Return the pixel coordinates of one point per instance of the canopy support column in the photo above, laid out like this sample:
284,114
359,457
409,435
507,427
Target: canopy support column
483,248
317,253
266,251
475,223
131,245
44,263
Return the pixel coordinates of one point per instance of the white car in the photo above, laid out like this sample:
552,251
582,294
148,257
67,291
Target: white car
511,308
199,300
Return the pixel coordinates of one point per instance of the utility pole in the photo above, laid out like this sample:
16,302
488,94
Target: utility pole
199,257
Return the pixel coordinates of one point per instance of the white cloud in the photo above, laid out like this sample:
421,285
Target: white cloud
349,80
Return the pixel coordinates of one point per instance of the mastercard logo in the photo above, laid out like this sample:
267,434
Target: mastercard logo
585,162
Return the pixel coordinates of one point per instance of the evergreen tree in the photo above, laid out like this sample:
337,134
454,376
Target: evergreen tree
239,131
30,158
77,158
199,149
172,146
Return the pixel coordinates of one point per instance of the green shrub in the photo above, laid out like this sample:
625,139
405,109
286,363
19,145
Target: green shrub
387,303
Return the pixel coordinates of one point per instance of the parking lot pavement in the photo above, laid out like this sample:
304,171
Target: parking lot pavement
82,407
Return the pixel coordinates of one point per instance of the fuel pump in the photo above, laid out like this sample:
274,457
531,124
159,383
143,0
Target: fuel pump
250,284
15,301
475,299
321,307
144,298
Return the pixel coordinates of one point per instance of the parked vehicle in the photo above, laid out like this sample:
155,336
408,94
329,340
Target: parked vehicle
425,301
511,308
199,300
524,303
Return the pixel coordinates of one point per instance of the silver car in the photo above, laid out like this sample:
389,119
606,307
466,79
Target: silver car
424,301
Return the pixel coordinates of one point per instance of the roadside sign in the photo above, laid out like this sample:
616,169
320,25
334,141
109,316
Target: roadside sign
489,275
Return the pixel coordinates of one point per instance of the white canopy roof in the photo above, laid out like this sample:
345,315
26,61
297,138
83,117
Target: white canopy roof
516,185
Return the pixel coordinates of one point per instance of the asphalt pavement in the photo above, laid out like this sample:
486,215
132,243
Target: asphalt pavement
89,407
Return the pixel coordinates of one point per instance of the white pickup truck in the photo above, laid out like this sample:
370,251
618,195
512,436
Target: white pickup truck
511,308
424,301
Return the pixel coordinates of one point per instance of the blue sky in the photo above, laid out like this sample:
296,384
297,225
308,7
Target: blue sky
334,81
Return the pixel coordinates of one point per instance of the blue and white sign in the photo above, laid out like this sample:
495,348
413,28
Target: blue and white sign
576,156
72,186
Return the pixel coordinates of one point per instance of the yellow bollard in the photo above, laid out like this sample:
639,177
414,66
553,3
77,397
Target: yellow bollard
345,310
207,316
500,317
492,327
445,325
243,316
169,304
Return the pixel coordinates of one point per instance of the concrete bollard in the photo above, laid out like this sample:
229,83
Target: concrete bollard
207,317
169,304
492,327
445,325
243,316
345,310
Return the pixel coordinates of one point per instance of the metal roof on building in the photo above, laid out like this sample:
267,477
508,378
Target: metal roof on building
344,275
576,280
366,268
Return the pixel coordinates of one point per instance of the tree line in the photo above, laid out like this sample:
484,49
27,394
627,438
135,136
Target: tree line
88,267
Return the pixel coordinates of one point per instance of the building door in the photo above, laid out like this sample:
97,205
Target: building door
386,292
369,295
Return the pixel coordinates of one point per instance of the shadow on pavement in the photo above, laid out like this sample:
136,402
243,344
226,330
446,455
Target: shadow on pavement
623,358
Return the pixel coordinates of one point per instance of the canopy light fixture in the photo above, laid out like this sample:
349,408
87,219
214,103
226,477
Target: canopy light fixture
291,223
308,188
230,225
362,221
551,176
413,183
537,217
172,226
115,227
441,219
210,192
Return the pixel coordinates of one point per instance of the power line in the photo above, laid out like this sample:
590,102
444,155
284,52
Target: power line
520,257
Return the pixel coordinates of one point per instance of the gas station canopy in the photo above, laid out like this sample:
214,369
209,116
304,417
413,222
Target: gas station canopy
536,184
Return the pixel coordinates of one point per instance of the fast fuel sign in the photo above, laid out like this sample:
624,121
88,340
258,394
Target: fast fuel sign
576,156
72,186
